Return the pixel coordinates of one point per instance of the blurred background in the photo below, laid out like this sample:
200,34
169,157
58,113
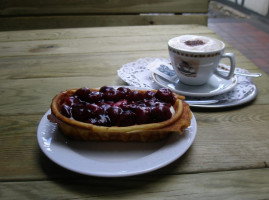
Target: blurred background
247,23
243,21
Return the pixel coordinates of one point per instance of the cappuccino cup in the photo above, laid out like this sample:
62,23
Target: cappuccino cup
196,58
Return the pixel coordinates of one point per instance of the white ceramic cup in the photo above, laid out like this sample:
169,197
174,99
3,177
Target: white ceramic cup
196,58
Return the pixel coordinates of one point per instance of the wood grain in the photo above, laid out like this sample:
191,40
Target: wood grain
50,22
25,15
51,7
237,185
59,34
31,96
228,149
149,42
42,66
228,159
86,45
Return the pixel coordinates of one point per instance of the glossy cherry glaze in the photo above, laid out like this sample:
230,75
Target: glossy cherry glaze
118,107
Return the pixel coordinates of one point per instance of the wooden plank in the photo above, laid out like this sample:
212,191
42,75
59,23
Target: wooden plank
228,149
67,34
42,66
84,45
51,7
58,34
71,14
63,66
89,45
237,185
223,161
34,95
50,22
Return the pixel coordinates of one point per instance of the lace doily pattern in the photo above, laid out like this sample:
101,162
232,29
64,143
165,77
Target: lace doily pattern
137,74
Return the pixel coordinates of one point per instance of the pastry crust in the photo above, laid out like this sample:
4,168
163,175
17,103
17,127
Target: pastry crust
144,132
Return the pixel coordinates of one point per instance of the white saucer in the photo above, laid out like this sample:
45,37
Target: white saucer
214,86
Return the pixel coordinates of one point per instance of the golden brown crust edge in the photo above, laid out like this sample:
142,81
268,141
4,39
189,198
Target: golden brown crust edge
145,133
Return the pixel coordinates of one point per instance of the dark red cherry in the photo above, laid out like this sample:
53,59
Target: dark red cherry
141,104
83,93
124,105
114,113
151,102
92,121
128,106
104,105
78,112
66,110
165,95
118,103
161,113
85,114
127,118
103,120
132,105
135,96
142,115
94,97
71,101
149,94
105,88
94,110
112,95
124,92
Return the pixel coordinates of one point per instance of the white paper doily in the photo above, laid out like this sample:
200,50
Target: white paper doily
137,74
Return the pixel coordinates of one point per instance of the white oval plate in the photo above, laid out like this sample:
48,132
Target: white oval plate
111,159
214,86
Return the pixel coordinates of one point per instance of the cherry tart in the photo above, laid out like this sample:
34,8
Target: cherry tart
119,114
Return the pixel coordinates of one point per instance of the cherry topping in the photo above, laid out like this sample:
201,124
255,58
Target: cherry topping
113,95
114,113
78,112
93,110
92,121
125,92
149,94
103,120
104,105
142,115
161,113
127,118
150,102
118,103
165,95
135,96
118,107
105,88
66,110
94,97
71,100
128,106
83,93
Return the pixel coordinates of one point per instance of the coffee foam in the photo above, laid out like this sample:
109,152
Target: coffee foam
207,44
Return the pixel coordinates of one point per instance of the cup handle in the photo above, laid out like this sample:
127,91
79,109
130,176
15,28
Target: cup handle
232,61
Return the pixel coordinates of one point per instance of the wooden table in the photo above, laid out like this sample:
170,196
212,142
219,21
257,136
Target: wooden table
228,159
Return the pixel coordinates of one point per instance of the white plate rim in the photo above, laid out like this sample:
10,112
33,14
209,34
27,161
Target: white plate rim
47,132
190,94
228,104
